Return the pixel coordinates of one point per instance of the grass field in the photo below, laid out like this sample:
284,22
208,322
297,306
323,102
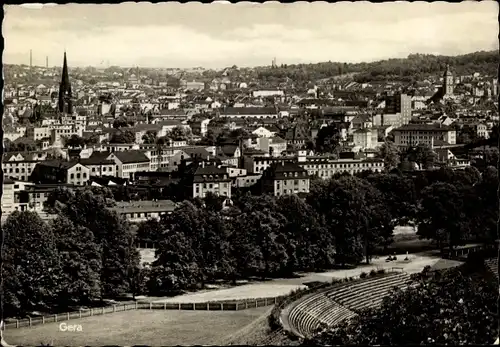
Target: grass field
142,327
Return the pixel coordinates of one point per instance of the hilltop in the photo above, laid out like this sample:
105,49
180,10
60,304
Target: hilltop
414,67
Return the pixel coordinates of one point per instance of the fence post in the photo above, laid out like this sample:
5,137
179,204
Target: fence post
29,318
136,305
124,307
237,305
194,306
208,306
275,300
17,324
43,319
256,303
246,304
150,305
114,308
55,317
165,305
67,315
222,307
103,310
179,306
80,312
91,311
265,302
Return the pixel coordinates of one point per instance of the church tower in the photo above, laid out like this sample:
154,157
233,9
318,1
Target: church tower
448,82
65,103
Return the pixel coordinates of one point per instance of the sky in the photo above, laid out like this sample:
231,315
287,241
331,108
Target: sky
187,35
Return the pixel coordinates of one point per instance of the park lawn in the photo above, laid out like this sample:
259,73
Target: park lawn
141,327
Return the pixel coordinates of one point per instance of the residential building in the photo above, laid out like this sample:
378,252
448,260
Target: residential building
249,112
60,171
326,167
209,178
99,164
398,104
140,211
365,138
428,134
129,162
274,146
20,166
285,178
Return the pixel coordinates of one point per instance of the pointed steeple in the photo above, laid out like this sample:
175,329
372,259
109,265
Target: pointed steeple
65,104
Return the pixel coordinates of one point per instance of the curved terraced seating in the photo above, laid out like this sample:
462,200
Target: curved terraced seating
331,306
307,317
369,293
492,265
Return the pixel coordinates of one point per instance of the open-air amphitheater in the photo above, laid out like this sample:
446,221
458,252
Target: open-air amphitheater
332,305
235,314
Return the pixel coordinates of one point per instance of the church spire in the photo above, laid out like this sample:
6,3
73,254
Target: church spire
65,103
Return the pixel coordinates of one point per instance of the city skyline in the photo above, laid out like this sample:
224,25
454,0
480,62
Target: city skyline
219,35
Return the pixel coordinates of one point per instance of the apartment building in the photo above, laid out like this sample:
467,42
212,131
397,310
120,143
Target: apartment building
428,134
99,164
397,104
285,178
129,162
60,171
210,178
20,166
325,167
140,211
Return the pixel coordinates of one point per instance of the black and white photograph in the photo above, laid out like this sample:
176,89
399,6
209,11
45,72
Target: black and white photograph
247,173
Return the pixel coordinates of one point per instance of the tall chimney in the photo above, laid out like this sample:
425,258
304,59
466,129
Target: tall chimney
31,58
47,61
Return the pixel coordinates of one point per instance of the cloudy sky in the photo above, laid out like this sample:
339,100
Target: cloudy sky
244,34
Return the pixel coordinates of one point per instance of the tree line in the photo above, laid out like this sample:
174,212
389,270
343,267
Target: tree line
413,68
89,251
81,257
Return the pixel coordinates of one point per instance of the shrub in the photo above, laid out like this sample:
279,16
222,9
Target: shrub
336,280
380,271
373,273
363,275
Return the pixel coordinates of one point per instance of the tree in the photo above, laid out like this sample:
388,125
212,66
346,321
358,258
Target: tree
488,206
441,216
112,233
421,154
399,195
204,233
466,134
92,140
390,154
351,210
75,141
149,231
32,272
179,133
209,139
80,259
310,247
174,269
123,137
328,139
149,137
120,122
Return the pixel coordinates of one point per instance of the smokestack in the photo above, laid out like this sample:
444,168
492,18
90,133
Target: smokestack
31,58
47,61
